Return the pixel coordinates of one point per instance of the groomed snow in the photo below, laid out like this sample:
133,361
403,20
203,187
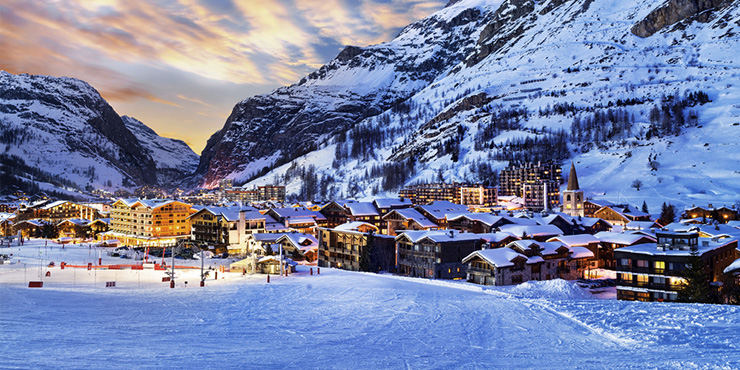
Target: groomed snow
344,320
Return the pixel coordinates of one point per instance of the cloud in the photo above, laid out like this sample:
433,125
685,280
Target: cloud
251,43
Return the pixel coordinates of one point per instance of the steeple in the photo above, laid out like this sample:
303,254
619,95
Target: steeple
573,178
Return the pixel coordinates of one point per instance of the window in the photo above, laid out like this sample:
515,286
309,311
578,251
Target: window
642,279
624,261
659,266
642,263
516,279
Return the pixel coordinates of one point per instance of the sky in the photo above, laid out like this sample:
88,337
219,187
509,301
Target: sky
179,66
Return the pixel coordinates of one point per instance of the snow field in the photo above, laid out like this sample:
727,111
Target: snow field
341,320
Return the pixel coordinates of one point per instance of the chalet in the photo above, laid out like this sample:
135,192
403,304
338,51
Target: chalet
343,247
62,210
6,223
406,219
435,254
334,213
721,214
439,210
497,239
654,272
591,225
364,212
223,226
641,225
537,232
300,216
293,243
74,228
30,228
477,222
501,266
563,222
587,241
590,206
621,215
526,260
610,241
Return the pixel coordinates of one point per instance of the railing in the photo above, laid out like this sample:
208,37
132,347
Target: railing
478,270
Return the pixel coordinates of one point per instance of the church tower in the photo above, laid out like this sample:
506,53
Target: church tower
573,196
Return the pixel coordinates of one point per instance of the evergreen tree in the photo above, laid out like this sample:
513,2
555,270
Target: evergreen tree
645,207
366,257
696,289
667,214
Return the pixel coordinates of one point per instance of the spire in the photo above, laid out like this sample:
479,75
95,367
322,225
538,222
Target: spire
573,178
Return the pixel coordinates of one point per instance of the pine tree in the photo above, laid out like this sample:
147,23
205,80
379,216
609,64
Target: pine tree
667,214
366,257
645,207
696,289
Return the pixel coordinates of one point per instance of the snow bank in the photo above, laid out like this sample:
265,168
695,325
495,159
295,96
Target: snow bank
550,289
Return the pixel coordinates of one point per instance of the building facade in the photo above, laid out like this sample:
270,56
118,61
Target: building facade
654,272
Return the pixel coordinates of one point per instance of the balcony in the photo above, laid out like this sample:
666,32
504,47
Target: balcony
480,271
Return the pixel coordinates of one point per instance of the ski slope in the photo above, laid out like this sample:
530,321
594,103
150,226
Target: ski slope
343,320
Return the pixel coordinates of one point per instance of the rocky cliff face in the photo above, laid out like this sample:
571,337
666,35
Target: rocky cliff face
675,11
174,159
359,83
63,127
522,80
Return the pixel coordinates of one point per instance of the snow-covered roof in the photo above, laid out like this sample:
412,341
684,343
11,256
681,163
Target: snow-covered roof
580,252
621,238
362,209
76,221
734,266
440,208
301,220
524,221
413,214
575,240
437,236
54,204
589,221
392,202
705,245
298,212
484,218
532,230
550,218
641,225
498,257
301,241
450,236
734,223
354,226
275,226
496,237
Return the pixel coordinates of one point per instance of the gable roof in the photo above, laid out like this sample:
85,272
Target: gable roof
440,208
392,202
498,257
532,230
575,240
354,226
488,219
362,209
413,214
623,239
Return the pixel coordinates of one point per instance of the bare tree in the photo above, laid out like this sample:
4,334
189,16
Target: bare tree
637,184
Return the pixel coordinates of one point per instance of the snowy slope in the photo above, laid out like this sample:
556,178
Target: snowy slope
173,157
535,68
63,127
341,320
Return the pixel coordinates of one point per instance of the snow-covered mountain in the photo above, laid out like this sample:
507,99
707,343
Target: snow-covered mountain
174,159
61,131
628,89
